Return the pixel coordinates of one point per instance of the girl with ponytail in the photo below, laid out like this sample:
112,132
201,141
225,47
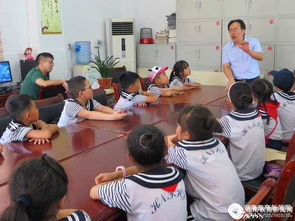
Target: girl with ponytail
268,108
37,189
245,130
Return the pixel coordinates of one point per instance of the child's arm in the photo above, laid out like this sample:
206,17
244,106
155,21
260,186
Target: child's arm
171,140
105,178
104,109
168,92
96,115
194,85
1,148
45,131
151,98
146,93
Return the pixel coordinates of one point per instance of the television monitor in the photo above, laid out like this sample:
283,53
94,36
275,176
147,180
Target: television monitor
5,72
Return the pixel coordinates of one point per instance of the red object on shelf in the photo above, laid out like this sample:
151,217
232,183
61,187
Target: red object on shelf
146,41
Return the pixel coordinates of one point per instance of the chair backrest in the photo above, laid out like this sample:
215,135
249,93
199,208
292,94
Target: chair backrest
50,108
26,66
4,121
291,149
3,111
100,96
116,73
51,91
145,83
263,194
285,189
117,91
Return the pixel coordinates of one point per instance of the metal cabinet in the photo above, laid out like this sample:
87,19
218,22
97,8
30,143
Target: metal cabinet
285,55
263,29
286,7
235,8
149,55
262,8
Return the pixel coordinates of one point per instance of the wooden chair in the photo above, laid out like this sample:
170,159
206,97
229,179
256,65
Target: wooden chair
117,91
145,83
116,73
51,91
50,108
284,192
263,194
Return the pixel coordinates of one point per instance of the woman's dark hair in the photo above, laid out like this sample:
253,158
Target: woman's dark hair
128,78
36,187
17,104
199,122
262,90
178,68
146,145
240,95
75,85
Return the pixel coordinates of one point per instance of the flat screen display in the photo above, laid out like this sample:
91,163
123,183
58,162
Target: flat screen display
5,73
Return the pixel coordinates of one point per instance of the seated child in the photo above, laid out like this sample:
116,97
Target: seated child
82,106
130,85
160,86
155,192
211,179
262,91
244,129
25,123
38,189
283,81
179,76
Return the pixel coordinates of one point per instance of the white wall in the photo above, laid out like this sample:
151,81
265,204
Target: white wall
81,21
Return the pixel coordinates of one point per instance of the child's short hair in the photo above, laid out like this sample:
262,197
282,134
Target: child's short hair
17,104
240,95
262,90
35,188
146,145
178,68
75,85
283,79
199,122
42,56
128,78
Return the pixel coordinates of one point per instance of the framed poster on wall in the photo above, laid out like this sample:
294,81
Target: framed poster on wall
50,17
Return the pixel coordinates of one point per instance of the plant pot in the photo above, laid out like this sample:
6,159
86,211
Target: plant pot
105,83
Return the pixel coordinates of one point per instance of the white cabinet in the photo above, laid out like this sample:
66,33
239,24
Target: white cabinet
209,8
285,55
187,53
269,57
286,7
149,55
262,7
263,29
187,32
187,9
286,30
235,8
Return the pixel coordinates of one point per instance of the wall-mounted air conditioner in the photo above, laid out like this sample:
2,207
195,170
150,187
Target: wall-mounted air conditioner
120,38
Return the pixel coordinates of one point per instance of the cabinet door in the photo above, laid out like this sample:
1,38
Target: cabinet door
186,9
269,57
286,30
166,55
209,31
262,8
285,55
187,53
235,8
209,55
187,32
263,29
210,8
146,55
286,7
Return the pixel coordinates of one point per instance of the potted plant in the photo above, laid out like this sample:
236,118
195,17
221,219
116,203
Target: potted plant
104,67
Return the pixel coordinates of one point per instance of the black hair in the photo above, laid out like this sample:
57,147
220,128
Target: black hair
262,90
199,122
240,95
36,186
178,68
17,104
240,21
75,85
146,145
128,78
42,56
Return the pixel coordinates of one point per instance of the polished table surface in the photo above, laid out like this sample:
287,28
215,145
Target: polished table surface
90,147
203,95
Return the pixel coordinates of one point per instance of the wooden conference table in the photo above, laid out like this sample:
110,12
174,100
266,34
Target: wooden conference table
90,147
